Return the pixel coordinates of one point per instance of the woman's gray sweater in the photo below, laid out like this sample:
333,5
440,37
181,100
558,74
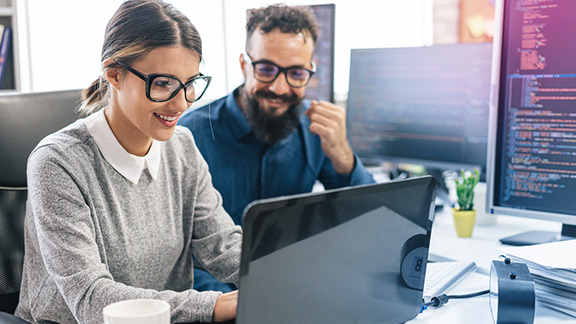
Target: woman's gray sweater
94,238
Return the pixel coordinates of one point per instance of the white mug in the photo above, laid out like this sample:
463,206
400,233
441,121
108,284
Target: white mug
137,311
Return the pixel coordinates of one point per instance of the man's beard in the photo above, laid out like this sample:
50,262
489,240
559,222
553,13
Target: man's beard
269,128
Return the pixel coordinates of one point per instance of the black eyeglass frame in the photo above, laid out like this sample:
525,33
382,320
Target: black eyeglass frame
150,77
281,70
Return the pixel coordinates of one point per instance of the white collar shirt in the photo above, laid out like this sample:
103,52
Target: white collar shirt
128,165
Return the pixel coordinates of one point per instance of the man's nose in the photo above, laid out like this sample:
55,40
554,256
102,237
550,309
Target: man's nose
280,86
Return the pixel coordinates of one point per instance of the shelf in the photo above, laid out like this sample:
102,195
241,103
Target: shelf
6,11
10,81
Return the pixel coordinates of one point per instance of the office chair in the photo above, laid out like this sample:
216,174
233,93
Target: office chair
26,119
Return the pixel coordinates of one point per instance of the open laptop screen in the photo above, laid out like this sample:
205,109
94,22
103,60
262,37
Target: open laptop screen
356,254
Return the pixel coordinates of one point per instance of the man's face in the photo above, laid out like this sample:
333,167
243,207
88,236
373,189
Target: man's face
272,108
284,50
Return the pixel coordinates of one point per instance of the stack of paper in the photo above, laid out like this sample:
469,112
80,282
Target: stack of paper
553,268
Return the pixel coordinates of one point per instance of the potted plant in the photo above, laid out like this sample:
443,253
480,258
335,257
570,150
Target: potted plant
464,214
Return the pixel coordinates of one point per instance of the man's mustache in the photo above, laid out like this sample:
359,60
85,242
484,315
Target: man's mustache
271,95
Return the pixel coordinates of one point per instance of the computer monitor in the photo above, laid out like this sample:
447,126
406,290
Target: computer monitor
532,142
421,105
321,86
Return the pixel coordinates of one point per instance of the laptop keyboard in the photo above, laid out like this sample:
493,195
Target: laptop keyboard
443,276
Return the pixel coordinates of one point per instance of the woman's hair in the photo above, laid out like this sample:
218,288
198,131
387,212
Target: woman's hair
137,27
288,19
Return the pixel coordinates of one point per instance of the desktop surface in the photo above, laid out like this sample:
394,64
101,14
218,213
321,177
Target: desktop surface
483,247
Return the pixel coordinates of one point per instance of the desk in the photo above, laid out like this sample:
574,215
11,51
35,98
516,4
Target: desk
481,248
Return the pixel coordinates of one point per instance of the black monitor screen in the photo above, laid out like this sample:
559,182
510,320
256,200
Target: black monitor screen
535,137
321,86
426,105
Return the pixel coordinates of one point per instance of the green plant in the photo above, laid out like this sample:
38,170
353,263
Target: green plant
465,188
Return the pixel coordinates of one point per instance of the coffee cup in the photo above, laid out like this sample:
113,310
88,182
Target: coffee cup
137,311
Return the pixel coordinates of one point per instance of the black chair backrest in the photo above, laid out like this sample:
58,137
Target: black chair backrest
12,210
25,119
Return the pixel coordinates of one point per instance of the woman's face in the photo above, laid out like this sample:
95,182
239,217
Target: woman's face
133,118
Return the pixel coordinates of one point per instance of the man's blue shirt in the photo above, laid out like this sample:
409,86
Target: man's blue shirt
244,169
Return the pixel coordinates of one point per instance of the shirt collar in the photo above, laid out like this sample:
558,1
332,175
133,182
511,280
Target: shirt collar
128,165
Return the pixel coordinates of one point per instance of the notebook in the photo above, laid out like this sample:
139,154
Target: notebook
350,255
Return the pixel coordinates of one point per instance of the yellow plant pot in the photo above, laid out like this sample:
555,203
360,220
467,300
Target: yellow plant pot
464,221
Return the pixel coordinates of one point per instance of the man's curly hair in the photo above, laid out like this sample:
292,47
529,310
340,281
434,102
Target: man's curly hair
289,19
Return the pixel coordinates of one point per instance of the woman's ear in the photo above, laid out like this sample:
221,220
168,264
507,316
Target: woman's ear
112,72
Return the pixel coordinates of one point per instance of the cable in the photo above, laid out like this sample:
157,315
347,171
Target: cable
440,300
478,293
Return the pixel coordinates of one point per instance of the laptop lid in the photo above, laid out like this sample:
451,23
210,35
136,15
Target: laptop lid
350,255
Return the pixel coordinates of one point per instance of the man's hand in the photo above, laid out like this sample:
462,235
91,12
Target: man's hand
225,307
329,122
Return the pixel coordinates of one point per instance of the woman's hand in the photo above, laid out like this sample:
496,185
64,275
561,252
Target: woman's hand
225,307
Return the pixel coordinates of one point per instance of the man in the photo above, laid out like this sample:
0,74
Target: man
263,140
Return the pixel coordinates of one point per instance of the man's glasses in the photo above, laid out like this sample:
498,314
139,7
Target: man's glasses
267,72
162,87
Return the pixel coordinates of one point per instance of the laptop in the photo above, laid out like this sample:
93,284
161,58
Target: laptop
349,255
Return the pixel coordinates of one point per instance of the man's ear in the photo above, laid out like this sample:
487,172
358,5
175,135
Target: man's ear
242,64
112,73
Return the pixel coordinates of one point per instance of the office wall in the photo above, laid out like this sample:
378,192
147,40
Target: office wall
65,36
446,21
65,45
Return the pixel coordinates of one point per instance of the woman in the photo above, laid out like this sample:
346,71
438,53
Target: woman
120,201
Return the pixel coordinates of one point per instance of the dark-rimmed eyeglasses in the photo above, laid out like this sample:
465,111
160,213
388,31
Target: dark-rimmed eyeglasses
163,87
266,72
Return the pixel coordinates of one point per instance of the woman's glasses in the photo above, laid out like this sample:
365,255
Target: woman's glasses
162,87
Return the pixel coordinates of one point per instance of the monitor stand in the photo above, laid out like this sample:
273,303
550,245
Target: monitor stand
539,237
